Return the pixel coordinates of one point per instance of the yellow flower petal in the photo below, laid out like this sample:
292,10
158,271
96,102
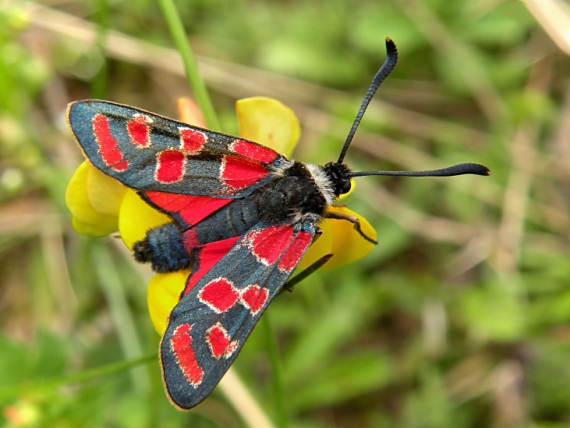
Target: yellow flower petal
99,229
340,239
104,192
347,244
267,121
136,217
163,294
86,219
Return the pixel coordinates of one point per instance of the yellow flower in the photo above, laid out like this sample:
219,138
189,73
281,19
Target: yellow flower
101,205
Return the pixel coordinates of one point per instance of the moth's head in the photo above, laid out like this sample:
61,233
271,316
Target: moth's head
339,176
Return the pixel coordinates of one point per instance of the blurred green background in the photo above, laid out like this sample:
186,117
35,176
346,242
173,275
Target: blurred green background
460,317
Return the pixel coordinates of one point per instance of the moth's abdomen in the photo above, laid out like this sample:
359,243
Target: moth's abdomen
163,248
168,248
233,220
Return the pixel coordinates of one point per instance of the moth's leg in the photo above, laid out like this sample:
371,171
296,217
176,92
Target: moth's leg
163,247
318,234
354,220
289,285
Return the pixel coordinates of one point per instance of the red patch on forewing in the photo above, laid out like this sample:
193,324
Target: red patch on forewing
219,294
239,173
219,341
191,141
268,244
208,255
139,131
108,146
170,166
255,151
121,166
293,255
181,345
254,297
192,209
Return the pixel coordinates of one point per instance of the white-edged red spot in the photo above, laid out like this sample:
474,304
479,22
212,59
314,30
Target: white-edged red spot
219,341
254,151
108,146
268,244
121,166
238,173
191,140
254,297
170,165
219,294
139,131
293,255
181,346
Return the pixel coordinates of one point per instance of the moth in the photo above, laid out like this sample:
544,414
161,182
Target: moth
243,216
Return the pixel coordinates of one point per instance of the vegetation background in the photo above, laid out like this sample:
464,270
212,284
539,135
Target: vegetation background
460,317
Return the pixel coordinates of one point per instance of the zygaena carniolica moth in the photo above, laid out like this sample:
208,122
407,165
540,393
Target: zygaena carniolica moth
243,216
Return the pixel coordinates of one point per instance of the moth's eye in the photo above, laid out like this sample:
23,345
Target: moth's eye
345,187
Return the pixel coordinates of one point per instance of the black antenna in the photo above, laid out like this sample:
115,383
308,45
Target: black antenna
459,169
385,70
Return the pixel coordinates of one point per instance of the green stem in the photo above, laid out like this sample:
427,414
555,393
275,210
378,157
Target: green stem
29,387
123,319
190,65
99,81
289,285
278,391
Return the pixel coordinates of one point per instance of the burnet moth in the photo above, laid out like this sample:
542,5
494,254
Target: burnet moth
243,216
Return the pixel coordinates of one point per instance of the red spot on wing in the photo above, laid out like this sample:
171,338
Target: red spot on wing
239,173
254,297
139,131
181,345
191,141
294,253
268,244
219,341
255,151
207,256
108,146
121,166
219,294
192,209
170,166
